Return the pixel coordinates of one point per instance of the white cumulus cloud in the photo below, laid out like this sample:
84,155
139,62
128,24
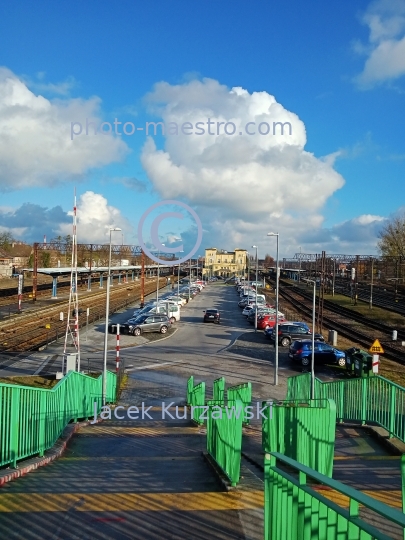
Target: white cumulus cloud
94,219
386,48
35,137
240,184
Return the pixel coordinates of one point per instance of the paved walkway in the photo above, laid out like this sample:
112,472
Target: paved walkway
145,480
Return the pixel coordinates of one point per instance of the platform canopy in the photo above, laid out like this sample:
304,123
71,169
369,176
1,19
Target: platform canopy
96,270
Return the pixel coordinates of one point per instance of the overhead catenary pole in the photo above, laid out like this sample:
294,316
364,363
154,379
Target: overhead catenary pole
142,279
35,273
73,305
107,313
256,290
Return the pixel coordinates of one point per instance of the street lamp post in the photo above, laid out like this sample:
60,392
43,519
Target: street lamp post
299,271
276,328
313,340
178,277
158,276
189,280
107,313
256,290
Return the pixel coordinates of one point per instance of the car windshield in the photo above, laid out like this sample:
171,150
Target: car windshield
212,311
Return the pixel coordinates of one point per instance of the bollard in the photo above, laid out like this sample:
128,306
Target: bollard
332,337
394,335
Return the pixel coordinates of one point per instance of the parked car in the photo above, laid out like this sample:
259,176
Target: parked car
268,321
150,323
212,315
178,299
301,352
289,332
250,308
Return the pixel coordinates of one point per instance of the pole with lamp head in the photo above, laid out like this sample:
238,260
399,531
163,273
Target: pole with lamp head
107,313
313,339
158,276
189,280
256,290
276,326
178,276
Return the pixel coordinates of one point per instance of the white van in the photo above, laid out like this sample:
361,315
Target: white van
174,310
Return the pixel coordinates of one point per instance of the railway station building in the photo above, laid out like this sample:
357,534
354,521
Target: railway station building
218,262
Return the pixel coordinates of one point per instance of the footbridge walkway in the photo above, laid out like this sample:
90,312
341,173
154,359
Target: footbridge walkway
216,469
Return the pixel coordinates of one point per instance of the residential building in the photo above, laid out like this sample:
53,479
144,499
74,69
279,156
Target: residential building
6,264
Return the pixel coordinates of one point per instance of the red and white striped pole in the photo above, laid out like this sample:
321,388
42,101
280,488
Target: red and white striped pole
117,348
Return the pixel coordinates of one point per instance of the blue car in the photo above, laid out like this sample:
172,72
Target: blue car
301,352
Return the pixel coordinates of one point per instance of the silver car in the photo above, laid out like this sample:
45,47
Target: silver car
150,323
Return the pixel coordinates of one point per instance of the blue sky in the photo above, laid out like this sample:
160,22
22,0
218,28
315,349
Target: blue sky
334,70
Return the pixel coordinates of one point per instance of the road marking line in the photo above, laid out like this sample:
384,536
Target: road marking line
151,366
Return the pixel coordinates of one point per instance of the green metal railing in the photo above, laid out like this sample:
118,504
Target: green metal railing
224,436
403,484
32,419
302,430
218,390
374,399
292,509
196,399
190,386
243,393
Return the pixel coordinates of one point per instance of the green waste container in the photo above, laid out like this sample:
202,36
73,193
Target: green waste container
350,360
363,364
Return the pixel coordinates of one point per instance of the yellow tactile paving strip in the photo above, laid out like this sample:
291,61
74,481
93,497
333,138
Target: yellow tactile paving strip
130,502
138,431
162,502
367,458
391,498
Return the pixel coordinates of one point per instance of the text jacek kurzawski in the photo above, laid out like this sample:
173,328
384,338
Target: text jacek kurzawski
202,412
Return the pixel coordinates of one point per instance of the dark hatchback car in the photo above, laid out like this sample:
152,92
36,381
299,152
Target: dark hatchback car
301,352
212,315
289,332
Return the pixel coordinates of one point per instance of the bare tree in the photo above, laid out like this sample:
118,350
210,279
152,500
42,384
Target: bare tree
392,238
268,261
6,240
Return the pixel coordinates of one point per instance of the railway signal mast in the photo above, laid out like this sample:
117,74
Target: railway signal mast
72,325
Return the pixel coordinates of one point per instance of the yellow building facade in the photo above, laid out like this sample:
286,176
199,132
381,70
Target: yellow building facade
218,262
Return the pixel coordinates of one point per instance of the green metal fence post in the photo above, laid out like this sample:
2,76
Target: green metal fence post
393,410
403,484
42,423
364,396
190,386
218,389
14,425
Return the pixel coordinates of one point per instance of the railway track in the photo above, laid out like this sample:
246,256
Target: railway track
355,328
30,331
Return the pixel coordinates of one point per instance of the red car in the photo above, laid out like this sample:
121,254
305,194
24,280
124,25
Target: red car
268,320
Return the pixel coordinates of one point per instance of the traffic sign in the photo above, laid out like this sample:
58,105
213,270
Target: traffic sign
376,348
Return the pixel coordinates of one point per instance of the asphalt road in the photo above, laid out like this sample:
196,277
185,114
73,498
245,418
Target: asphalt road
196,348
